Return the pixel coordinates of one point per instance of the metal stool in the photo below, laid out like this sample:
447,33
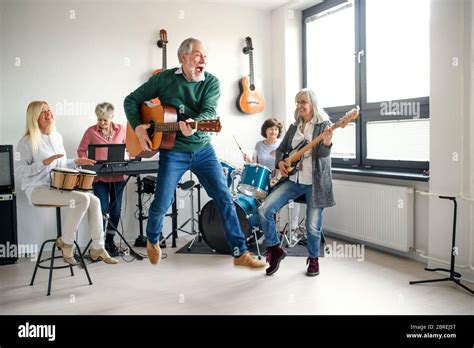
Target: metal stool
289,237
53,257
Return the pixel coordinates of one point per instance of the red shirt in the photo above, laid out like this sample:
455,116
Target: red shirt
93,135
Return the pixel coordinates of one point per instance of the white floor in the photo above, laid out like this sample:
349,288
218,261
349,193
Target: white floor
209,284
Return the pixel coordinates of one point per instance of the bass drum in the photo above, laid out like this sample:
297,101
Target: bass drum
211,226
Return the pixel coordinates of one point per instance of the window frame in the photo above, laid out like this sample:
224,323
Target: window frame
369,111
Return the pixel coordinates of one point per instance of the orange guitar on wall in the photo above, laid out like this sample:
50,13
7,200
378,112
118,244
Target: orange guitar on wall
250,100
164,125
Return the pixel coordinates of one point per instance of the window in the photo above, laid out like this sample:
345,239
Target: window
344,141
374,54
331,72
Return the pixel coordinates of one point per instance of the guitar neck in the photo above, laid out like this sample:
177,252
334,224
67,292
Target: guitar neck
252,83
164,58
297,155
170,126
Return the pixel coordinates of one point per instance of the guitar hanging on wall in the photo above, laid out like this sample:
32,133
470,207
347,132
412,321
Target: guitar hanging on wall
161,43
251,100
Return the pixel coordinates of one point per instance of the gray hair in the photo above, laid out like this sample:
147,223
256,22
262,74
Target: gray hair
104,110
319,115
186,47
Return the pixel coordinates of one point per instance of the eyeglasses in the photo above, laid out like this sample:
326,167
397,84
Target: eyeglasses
46,112
303,102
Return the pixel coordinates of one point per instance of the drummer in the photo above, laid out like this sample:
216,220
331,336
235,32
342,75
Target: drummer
109,189
40,151
264,154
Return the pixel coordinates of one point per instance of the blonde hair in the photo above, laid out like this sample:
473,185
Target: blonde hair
104,110
33,113
319,115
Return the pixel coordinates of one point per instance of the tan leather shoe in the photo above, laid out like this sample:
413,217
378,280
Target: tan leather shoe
247,260
154,252
102,255
66,250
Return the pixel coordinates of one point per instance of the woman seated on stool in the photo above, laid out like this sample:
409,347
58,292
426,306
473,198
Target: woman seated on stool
41,150
313,179
264,154
109,189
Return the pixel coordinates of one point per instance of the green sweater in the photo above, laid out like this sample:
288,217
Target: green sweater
196,100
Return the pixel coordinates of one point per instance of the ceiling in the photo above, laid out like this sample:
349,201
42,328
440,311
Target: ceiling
267,4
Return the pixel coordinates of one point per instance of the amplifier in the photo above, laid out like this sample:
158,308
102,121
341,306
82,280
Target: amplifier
8,232
7,182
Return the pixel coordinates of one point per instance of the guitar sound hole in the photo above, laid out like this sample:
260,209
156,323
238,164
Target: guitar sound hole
151,130
252,87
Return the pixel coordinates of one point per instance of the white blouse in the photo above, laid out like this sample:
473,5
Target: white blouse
29,167
305,174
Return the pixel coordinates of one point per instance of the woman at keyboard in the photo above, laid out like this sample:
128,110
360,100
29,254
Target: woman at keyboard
109,189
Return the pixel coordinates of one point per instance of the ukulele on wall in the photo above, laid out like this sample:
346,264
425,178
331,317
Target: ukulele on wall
250,100
161,43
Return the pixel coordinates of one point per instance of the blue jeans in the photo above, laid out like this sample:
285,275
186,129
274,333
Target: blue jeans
110,196
205,165
280,197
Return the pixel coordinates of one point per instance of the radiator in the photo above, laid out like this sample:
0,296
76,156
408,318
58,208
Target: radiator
379,214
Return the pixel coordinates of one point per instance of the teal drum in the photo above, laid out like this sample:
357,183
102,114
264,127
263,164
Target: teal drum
228,171
255,181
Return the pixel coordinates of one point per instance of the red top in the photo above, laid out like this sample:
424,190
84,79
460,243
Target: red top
93,135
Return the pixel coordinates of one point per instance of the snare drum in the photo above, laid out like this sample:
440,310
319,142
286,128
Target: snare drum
228,169
211,226
64,178
255,180
86,179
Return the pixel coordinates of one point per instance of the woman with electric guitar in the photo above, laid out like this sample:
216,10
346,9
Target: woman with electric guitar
308,169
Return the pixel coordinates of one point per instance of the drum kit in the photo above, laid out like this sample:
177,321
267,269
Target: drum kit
66,179
252,189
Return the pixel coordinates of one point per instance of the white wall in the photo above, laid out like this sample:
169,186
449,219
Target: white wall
470,137
107,50
451,116
287,71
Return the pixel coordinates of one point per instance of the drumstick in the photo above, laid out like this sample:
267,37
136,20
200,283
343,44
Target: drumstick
238,145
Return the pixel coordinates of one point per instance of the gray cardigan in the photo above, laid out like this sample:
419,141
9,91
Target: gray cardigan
323,195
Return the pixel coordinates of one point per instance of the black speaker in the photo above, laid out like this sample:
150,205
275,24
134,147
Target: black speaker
7,181
8,232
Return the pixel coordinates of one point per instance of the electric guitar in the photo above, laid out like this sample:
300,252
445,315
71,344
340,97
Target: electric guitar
163,121
294,157
161,43
250,100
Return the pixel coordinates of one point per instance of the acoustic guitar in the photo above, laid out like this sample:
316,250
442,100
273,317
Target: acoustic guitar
161,43
163,122
294,157
251,100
